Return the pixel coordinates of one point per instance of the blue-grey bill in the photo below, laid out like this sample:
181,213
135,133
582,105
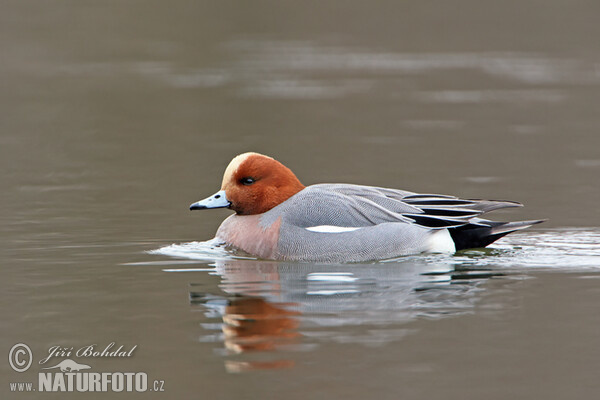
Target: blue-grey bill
217,200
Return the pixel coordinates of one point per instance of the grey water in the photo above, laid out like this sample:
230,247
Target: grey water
115,116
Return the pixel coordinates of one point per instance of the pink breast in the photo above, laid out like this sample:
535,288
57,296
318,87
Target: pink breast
245,232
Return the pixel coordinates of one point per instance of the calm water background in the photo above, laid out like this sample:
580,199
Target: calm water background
115,116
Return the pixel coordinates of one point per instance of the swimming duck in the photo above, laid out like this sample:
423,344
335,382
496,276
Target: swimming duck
277,217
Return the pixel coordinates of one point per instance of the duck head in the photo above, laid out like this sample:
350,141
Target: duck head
253,184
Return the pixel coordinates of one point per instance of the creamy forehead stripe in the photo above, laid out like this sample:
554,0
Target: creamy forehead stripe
331,229
233,166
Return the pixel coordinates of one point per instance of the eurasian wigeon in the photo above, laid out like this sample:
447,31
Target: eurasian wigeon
276,217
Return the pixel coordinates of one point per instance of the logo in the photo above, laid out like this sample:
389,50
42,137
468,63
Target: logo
20,357
69,375
69,366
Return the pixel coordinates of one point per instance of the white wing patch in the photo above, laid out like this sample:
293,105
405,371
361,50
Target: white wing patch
331,229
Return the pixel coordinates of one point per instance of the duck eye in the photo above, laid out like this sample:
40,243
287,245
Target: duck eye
247,181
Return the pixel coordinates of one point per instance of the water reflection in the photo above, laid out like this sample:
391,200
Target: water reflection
263,312
250,324
273,307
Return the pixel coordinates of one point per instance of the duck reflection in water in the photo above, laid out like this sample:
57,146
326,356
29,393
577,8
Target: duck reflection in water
269,308
252,323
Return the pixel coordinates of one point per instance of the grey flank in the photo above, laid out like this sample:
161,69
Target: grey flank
393,222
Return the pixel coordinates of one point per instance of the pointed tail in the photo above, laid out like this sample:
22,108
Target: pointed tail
482,232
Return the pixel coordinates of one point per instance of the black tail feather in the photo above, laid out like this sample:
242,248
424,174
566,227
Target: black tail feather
472,236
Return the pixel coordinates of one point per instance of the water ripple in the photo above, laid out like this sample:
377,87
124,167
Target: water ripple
569,249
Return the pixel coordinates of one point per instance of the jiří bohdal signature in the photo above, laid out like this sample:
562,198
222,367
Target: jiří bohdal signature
91,351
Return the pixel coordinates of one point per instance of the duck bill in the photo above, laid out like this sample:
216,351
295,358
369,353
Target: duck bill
217,200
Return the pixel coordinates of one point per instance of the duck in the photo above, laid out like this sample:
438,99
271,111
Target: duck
278,218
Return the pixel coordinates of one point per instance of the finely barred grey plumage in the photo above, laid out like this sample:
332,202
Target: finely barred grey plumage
392,222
